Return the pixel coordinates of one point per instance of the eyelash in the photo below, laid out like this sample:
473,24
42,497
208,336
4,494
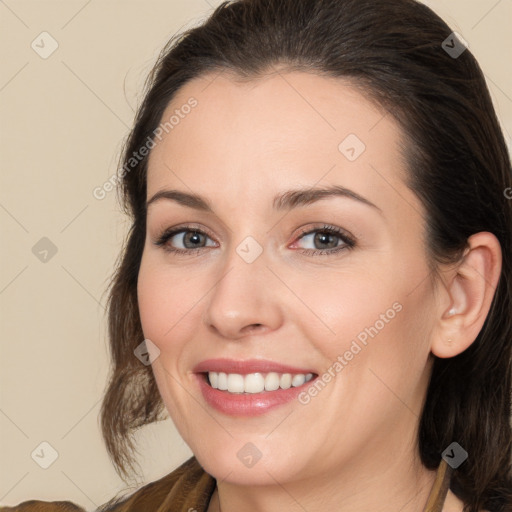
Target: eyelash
348,241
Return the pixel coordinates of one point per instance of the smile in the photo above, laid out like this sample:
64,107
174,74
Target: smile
256,382
250,387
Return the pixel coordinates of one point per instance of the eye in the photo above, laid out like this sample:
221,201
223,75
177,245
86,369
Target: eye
183,240
188,239
326,240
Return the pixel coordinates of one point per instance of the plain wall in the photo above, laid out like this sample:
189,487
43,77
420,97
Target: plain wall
63,120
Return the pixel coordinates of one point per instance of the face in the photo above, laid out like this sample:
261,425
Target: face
329,290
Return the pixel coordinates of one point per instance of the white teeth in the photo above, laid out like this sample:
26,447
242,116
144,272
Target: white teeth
214,379
272,381
298,380
222,383
256,382
235,383
286,381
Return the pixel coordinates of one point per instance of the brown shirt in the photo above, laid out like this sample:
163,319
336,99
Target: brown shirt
189,489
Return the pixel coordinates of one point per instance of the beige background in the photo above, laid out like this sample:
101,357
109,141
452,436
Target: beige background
62,123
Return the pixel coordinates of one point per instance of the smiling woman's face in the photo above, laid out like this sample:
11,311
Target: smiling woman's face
271,282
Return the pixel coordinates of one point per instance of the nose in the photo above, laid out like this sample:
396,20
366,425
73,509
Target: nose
244,301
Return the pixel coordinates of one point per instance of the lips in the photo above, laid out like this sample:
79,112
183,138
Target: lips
249,366
222,383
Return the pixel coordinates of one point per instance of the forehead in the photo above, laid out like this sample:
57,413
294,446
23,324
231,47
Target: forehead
287,126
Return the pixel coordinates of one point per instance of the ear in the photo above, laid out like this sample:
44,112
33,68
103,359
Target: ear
466,296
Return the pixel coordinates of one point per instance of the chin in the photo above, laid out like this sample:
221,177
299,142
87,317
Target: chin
241,462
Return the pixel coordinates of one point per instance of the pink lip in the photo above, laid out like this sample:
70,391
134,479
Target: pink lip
245,367
246,404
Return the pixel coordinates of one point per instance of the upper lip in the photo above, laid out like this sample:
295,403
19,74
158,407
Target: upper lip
247,366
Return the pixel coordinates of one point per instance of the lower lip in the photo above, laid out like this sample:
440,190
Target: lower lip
247,404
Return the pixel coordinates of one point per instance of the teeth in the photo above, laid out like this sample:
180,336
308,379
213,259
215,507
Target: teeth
253,383
214,379
222,383
286,381
298,380
256,382
235,383
272,381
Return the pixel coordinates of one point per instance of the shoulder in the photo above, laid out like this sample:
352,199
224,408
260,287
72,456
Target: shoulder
188,486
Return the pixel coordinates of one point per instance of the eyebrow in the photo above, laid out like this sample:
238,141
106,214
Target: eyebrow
283,201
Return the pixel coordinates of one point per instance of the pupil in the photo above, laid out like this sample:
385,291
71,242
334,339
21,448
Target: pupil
324,238
192,234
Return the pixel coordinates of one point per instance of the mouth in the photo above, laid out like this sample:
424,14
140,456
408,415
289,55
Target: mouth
256,382
250,388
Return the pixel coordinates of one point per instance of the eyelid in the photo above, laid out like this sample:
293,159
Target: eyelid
174,230
161,240
342,233
348,241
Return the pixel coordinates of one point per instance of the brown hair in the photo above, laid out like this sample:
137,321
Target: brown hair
458,166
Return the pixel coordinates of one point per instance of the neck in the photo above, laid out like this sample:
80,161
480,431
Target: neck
387,485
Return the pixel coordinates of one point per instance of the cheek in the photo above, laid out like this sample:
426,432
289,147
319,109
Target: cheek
378,358
338,306
392,349
167,303
153,302
375,318
166,306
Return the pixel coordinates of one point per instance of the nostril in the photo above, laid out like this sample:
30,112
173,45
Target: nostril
252,329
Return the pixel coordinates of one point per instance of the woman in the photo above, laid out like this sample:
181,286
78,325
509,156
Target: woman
320,264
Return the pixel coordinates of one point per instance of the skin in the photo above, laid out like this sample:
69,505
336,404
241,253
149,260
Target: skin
352,447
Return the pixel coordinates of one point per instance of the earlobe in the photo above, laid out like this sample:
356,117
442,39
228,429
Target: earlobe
469,293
